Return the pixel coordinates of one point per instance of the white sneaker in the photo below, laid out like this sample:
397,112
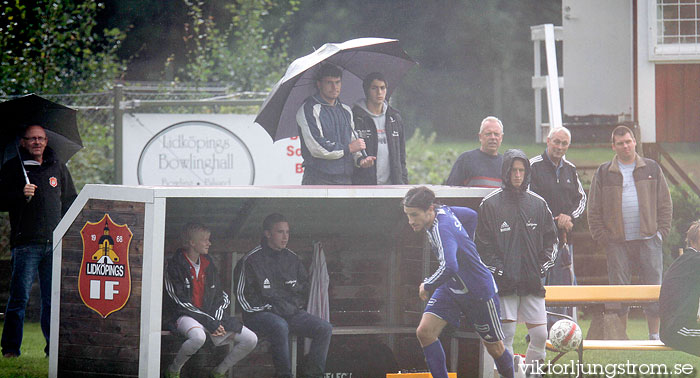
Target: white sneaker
517,368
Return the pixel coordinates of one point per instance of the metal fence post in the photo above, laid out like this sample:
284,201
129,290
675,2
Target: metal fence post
118,132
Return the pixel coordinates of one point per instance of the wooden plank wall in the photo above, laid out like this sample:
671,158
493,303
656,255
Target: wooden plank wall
88,345
677,103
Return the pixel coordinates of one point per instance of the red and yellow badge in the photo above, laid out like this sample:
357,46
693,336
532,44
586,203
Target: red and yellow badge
104,282
53,181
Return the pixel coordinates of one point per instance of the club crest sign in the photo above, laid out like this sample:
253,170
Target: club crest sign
104,281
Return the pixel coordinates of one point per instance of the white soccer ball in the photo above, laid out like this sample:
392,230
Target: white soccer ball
565,335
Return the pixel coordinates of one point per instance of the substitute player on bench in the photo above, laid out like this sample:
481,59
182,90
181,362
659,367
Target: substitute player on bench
462,283
679,300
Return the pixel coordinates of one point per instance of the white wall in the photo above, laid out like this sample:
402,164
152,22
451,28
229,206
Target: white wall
597,59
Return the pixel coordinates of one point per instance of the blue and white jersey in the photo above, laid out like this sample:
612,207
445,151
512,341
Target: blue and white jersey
460,267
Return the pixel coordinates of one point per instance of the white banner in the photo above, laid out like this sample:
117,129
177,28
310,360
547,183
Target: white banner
207,150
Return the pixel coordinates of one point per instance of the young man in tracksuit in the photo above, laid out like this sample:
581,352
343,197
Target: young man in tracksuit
329,145
272,288
461,285
517,239
382,128
195,304
679,300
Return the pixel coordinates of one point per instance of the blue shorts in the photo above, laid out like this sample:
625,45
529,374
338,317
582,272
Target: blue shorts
485,316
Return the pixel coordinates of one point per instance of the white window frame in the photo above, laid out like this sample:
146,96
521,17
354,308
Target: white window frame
671,52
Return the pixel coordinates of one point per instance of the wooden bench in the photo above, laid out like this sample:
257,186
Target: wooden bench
602,294
389,330
375,330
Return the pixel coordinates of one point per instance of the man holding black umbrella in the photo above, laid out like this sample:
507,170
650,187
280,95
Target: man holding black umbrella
329,146
37,189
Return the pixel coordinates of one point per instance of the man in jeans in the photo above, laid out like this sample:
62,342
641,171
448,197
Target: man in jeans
35,210
629,213
272,287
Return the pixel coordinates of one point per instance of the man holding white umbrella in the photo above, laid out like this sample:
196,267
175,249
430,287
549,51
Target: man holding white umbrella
329,145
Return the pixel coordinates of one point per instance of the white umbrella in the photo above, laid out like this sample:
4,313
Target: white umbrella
357,57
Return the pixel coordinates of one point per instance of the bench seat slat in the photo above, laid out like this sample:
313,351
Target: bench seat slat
620,345
588,294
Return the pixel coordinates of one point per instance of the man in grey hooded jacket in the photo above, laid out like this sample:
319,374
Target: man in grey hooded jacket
517,240
382,128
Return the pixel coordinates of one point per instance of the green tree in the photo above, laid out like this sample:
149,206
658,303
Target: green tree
51,46
243,46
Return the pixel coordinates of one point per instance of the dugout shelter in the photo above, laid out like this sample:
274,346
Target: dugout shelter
110,248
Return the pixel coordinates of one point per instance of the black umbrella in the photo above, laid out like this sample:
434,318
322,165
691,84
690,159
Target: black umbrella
358,58
59,122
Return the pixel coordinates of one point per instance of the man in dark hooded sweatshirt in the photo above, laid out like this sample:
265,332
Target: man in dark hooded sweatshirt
516,238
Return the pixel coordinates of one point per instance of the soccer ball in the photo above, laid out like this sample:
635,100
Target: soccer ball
565,335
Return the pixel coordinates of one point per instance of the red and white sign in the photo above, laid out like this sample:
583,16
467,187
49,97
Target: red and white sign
104,281
53,182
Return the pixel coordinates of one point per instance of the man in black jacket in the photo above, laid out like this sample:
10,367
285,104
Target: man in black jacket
517,240
195,304
272,288
382,128
555,179
679,300
35,210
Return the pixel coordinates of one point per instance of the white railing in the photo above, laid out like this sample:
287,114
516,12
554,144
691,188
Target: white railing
552,82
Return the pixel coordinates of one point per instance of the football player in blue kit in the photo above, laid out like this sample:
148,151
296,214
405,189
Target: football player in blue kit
461,285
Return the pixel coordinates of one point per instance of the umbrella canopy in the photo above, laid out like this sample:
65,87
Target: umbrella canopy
59,122
357,57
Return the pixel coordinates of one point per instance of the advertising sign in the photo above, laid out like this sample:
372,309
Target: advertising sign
206,150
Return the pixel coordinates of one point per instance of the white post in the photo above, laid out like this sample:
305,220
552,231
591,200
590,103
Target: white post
55,306
553,99
152,288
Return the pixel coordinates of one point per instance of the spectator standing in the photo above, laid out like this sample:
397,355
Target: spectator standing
517,240
555,179
461,285
329,146
195,305
35,210
382,128
679,300
629,213
482,166
272,288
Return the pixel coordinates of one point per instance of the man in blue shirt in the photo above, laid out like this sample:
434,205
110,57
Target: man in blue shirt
461,284
481,167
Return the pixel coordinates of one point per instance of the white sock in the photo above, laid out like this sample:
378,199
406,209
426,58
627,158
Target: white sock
195,339
508,334
244,343
538,342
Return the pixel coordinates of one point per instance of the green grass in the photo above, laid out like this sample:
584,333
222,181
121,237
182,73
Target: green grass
636,329
32,363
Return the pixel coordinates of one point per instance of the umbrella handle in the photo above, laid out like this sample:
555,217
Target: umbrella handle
363,152
24,170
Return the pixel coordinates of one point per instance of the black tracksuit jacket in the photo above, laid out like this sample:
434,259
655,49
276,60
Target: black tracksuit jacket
515,234
177,300
396,141
269,280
